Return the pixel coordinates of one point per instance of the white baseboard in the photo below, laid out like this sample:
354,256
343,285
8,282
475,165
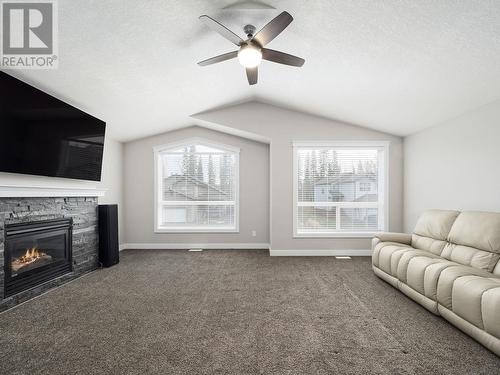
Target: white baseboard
320,253
183,246
223,246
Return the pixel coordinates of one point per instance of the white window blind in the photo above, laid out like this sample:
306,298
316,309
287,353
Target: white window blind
339,189
197,187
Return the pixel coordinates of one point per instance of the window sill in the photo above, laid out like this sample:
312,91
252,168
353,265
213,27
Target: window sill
335,235
196,230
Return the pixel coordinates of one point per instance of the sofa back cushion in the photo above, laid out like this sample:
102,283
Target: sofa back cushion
432,229
477,229
470,256
474,240
427,243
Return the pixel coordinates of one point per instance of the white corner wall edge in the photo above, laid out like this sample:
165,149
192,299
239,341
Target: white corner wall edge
319,253
184,246
18,191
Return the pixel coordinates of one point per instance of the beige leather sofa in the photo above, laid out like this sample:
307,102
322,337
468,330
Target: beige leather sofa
450,265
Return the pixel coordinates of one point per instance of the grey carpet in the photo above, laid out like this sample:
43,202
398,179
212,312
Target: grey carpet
233,312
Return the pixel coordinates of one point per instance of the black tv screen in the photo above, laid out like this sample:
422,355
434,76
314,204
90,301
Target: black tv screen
42,135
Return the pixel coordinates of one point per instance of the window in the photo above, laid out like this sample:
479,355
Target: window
365,186
340,189
196,187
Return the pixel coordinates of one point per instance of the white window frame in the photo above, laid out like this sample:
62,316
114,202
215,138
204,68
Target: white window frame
383,185
158,202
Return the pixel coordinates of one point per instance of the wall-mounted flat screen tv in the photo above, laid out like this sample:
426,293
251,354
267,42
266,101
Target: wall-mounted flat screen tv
42,135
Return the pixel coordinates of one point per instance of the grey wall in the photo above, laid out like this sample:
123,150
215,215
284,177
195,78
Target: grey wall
139,190
112,180
454,165
281,127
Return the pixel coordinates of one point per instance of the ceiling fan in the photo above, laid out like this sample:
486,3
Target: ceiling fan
252,50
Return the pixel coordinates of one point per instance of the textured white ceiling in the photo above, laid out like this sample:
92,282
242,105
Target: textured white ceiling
395,65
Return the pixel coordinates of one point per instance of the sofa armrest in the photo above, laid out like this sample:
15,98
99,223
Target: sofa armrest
403,238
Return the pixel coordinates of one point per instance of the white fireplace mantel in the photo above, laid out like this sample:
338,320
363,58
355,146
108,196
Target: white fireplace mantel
21,191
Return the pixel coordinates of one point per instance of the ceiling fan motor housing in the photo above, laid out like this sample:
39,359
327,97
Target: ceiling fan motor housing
249,30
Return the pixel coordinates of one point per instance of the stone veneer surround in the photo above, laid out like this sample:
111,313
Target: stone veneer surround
85,236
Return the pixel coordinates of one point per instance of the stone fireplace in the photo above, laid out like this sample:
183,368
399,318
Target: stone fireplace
44,242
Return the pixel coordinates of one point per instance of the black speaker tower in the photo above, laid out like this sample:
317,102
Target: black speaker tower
108,235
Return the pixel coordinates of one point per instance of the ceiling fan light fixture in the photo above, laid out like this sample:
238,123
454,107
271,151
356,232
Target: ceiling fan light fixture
249,56
252,50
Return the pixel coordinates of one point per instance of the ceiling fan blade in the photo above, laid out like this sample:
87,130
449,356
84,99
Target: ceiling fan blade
281,57
273,28
252,74
221,29
218,59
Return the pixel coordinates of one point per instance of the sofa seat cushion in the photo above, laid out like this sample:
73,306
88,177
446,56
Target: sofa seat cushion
448,277
381,245
490,305
467,296
389,255
423,272
405,259
431,277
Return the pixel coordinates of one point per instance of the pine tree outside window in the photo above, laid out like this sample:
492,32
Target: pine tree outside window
340,188
196,187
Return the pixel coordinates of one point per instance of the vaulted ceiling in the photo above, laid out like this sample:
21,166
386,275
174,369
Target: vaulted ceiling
397,66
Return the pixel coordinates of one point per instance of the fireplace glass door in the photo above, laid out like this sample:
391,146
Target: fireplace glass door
36,252
30,253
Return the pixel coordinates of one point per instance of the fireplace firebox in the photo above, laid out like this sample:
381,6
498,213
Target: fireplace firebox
36,252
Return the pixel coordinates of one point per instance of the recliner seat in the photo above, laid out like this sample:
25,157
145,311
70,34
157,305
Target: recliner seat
450,264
